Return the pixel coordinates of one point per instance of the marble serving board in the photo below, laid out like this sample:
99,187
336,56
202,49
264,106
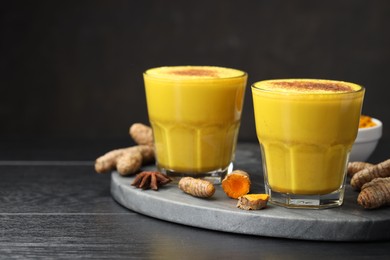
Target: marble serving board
346,223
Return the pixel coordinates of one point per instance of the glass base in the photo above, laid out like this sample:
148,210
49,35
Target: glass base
287,200
214,177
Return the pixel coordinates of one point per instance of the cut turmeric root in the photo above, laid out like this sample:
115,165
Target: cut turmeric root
197,187
253,201
236,184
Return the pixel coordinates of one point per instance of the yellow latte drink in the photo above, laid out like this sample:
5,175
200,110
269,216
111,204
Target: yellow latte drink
195,113
306,129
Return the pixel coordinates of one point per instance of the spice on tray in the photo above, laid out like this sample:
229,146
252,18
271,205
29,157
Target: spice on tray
236,184
150,179
373,182
380,170
197,187
354,167
375,193
253,201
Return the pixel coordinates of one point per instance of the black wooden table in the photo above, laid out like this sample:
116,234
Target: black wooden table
53,205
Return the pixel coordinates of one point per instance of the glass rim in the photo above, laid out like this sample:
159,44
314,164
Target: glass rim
243,73
256,86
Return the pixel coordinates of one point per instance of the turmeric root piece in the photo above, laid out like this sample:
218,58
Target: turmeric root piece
380,170
253,201
141,134
147,153
197,187
236,184
354,167
375,193
127,161
107,161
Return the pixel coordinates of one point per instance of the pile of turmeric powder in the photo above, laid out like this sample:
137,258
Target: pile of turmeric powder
373,182
366,121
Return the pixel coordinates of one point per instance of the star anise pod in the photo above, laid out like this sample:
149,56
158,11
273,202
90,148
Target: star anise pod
150,179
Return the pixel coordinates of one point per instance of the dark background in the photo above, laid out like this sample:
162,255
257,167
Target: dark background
72,70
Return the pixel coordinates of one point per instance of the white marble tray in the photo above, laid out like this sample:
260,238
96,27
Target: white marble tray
346,223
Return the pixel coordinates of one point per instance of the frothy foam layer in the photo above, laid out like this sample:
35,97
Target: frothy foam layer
194,72
308,86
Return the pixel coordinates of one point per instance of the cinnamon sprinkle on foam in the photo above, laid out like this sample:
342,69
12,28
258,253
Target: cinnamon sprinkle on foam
328,86
308,86
195,72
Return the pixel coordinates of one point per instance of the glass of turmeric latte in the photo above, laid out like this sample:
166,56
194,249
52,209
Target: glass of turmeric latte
195,114
306,129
